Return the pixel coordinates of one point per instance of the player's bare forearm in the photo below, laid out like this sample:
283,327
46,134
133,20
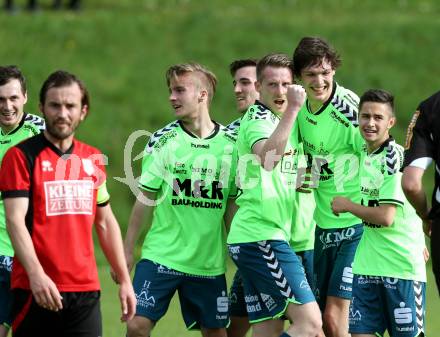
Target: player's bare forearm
43,288
16,209
231,209
140,214
382,215
271,150
110,239
413,189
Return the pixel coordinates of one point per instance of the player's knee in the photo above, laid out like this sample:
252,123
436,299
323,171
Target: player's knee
139,327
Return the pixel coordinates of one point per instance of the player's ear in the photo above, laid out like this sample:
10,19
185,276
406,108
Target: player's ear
84,112
203,96
258,86
391,122
25,98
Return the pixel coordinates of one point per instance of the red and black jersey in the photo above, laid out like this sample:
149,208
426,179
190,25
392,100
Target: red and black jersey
423,143
62,192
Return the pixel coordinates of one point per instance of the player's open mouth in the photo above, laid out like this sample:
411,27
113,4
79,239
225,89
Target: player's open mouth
7,114
369,131
279,101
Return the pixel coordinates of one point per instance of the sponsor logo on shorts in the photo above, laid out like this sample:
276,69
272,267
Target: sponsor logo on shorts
234,251
333,239
347,279
6,263
354,315
388,282
68,197
233,298
268,301
403,316
161,269
222,306
144,299
252,303
304,285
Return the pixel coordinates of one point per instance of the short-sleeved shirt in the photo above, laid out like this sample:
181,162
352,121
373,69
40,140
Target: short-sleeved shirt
303,225
395,251
193,178
29,126
423,143
63,194
333,142
266,204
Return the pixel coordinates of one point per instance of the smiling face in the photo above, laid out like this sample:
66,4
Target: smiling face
273,87
12,101
244,87
375,121
317,80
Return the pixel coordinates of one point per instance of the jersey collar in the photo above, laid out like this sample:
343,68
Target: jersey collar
383,146
18,127
212,135
57,150
324,106
257,102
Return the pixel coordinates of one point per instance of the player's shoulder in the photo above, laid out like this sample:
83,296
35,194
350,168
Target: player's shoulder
431,105
159,137
228,134
34,123
259,111
393,156
346,102
234,125
85,149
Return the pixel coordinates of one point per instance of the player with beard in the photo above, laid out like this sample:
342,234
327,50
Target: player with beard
54,190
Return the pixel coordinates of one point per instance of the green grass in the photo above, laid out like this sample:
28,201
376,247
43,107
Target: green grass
122,48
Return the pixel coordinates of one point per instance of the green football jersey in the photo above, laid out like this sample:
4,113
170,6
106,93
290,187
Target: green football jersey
266,204
332,140
395,251
303,226
193,178
29,126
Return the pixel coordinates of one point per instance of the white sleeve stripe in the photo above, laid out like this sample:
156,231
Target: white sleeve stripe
422,163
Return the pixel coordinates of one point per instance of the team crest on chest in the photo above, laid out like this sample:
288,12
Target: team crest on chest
88,166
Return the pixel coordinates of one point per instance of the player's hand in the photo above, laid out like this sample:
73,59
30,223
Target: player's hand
296,96
425,254
45,291
427,224
128,300
340,205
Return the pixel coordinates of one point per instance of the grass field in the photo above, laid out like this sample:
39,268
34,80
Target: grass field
121,48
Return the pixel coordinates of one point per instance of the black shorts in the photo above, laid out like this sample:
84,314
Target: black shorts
435,250
80,316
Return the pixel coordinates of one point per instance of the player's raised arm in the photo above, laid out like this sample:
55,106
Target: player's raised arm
283,92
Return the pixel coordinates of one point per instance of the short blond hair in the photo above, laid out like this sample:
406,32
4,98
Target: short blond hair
206,76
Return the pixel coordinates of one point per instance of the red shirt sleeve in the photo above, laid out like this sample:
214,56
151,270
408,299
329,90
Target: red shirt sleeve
14,175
